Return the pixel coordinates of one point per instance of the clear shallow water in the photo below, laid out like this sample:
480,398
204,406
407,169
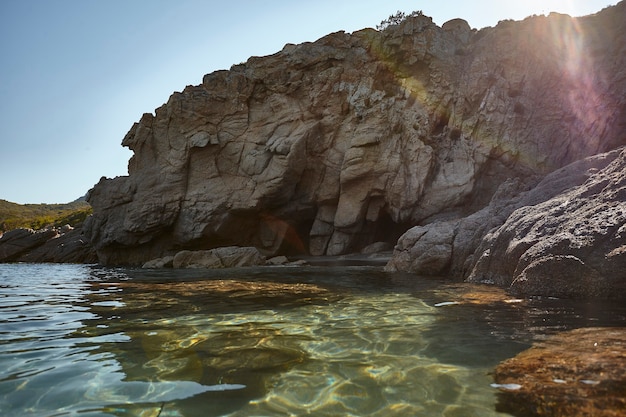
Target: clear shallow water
78,340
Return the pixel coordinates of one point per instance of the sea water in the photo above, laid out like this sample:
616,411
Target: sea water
84,340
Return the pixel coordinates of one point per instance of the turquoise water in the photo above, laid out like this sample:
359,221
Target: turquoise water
80,340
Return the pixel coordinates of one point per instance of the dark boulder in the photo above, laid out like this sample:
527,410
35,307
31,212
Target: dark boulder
62,245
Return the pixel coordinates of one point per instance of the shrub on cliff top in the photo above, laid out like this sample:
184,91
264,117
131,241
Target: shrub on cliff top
396,19
38,216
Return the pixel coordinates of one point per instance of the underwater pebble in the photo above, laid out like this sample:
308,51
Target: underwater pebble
559,381
510,387
589,382
224,387
446,303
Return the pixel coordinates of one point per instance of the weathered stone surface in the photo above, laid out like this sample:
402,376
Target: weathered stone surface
18,242
571,245
326,147
278,260
376,247
577,373
447,247
563,237
164,262
224,257
62,245
424,250
70,246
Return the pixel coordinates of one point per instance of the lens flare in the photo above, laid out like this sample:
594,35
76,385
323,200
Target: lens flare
587,97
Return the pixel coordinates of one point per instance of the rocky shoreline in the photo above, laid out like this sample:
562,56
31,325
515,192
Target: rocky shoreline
65,244
438,141
564,237
494,157
327,147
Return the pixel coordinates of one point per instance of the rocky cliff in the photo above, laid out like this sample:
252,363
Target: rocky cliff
326,147
564,237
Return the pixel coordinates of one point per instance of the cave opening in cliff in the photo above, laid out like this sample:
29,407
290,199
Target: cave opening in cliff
296,240
279,234
385,229
440,121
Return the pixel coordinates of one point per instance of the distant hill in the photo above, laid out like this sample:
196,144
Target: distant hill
38,216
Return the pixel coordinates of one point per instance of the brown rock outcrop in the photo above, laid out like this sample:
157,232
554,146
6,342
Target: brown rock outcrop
326,147
577,373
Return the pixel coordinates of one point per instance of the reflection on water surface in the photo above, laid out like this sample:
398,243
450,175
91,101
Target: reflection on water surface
90,341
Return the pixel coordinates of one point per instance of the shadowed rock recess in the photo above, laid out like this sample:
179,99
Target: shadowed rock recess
326,147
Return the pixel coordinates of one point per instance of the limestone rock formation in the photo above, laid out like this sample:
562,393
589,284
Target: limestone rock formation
326,147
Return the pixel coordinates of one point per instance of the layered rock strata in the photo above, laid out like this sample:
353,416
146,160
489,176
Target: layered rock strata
61,245
326,147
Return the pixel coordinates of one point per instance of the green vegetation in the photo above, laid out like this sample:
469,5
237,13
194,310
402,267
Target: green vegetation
396,19
38,216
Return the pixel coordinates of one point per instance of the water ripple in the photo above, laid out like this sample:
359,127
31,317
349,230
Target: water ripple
90,341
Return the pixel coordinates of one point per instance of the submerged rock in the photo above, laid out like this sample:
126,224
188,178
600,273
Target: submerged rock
577,373
247,292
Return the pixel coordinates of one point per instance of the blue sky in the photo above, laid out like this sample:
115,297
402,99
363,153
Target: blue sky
76,74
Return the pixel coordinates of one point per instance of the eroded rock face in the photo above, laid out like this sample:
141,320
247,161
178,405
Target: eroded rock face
18,242
564,237
63,245
326,147
448,247
571,245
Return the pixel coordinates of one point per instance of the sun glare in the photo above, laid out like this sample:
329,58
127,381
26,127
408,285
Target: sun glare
587,96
